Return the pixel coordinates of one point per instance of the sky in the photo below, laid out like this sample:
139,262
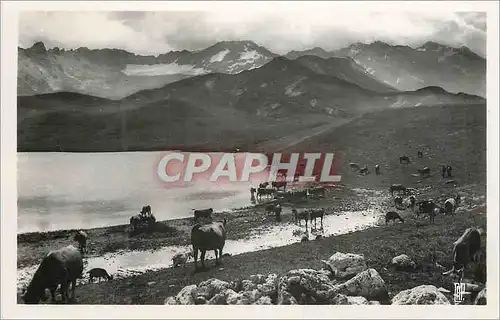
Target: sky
148,32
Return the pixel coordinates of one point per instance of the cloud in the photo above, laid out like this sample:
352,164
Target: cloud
279,30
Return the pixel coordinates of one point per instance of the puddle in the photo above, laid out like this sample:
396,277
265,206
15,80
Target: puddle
127,263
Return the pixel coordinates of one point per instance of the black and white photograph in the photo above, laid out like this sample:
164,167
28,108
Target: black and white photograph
250,153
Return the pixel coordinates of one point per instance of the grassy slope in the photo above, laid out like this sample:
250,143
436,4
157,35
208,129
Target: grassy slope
452,134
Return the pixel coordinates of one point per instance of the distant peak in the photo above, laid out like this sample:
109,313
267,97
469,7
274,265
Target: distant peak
434,89
38,47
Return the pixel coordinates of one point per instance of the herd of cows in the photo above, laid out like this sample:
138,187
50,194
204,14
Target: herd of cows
64,266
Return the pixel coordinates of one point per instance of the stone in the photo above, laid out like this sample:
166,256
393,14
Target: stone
421,295
211,287
367,284
185,296
306,286
345,265
481,298
403,262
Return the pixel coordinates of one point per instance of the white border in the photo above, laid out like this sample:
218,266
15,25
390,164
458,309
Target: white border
11,310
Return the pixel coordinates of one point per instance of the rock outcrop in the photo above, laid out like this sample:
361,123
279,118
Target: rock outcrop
424,294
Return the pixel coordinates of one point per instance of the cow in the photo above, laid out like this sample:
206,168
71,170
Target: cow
426,207
318,191
263,185
252,192
203,213
411,203
398,201
58,267
276,209
404,159
98,273
420,154
377,169
81,238
392,215
265,191
354,166
299,194
298,216
448,171
210,236
451,204
316,213
424,171
396,187
279,184
466,249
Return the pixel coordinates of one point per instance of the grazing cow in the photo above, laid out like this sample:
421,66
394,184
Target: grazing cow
443,171
397,187
404,159
265,191
465,249
364,170
448,170
398,202
81,238
58,267
377,169
279,184
316,213
181,258
210,236
276,209
426,207
298,216
424,171
263,185
318,191
354,166
420,154
451,204
203,213
392,215
98,273
411,202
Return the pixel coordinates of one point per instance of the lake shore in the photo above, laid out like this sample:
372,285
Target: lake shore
33,246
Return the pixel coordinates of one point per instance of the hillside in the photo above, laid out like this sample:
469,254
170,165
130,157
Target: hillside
250,110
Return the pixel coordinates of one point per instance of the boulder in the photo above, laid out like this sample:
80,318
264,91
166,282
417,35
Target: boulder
170,300
403,262
424,294
269,286
481,298
306,286
264,300
222,297
345,265
185,296
367,284
244,297
209,288
341,299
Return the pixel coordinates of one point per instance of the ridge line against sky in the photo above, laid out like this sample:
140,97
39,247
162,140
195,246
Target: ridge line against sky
157,32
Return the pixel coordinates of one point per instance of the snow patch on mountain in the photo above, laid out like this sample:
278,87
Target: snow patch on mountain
219,56
162,69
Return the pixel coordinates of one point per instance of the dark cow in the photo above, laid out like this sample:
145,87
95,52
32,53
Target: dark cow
364,170
392,215
316,213
276,209
98,273
279,184
466,249
210,236
397,187
81,238
298,216
404,159
426,207
420,154
263,185
398,202
252,192
424,171
377,169
448,171
59,267
203,213
265,192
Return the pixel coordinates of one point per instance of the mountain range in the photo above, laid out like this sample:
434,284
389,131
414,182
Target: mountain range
115,74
